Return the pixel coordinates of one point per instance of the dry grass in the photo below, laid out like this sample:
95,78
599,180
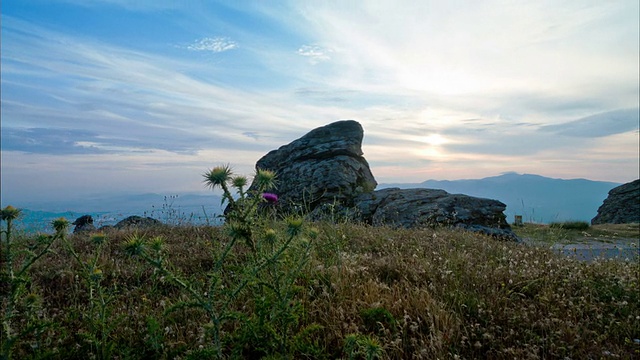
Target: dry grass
556,234
450,294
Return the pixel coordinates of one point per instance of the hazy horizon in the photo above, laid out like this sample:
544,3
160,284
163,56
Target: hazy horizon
106,96
94,197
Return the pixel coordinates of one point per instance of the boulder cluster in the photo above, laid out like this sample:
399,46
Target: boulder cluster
622,205
324,174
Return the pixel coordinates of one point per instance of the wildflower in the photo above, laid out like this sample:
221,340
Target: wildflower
313,233
9,213
265,179
270,197
157,243
294,226
270,236
239,182
98,238
217,176
96,275
60,224
134,245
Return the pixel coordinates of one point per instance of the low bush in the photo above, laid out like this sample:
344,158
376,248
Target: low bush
571,225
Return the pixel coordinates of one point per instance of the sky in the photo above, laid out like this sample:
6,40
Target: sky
106,96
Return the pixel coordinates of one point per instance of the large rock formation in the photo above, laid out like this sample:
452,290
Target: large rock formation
622,206
83,224
428,207
324,173
325,166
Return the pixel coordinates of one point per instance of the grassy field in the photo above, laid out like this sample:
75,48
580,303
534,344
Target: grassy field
559,234
317,291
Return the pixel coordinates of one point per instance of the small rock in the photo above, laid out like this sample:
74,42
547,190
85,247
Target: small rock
138,222
83,224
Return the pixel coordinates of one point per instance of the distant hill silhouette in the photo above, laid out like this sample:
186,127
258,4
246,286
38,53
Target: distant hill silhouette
109,209
537,198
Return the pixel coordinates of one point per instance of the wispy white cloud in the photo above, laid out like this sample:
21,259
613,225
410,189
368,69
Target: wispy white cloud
315,53
215,44
599,125
443,90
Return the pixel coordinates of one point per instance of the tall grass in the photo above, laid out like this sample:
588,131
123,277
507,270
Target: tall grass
444,294
267,287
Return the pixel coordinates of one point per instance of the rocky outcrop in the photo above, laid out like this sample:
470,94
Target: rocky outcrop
137,222
83,224
412,208
324,173
325,166
621,206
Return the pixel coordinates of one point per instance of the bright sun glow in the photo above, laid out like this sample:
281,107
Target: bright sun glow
434,140
433,149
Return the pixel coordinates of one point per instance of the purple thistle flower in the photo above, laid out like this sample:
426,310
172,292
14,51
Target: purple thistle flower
270,197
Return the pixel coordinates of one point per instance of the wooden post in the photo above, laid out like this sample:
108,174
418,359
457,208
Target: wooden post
517,220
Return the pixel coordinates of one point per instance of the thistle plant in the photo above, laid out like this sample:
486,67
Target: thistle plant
99,319
261,270
358,346
242,211
20,301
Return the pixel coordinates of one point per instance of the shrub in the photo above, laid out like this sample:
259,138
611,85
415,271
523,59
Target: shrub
570,225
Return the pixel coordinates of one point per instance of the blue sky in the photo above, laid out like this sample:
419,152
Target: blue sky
103,96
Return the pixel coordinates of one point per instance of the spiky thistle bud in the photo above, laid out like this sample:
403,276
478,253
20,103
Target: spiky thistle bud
134,244
239,182
294,225
217,176
9,213
98,238
265,179
60,225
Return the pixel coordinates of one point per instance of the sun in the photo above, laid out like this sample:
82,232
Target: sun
432,148
434,140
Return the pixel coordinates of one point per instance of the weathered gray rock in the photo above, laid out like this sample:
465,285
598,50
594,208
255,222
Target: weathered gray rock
622,205
325,166
324,175
138,222
411,208
83,224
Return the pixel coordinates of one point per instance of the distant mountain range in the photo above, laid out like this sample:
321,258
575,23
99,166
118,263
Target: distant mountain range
108,210
537,198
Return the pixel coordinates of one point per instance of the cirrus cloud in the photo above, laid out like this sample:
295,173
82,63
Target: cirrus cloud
213,44
315,53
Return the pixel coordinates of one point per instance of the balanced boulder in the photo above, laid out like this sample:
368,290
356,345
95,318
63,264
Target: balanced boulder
622,205
325,166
